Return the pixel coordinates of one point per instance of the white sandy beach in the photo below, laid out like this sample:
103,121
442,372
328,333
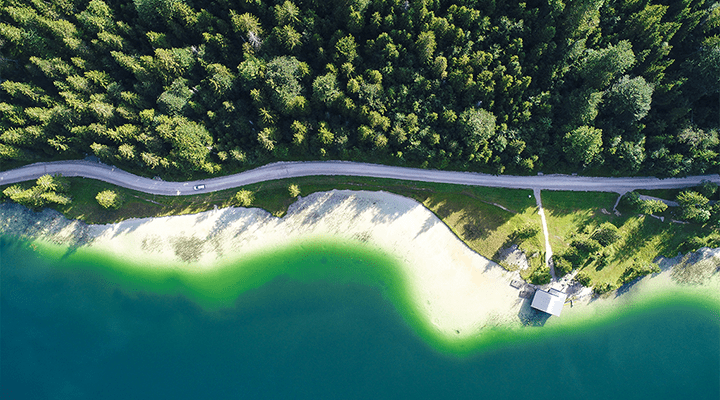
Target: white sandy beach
455,289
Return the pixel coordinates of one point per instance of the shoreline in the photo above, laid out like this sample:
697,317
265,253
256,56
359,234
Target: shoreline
454,290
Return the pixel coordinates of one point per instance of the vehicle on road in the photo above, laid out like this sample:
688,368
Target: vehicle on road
199,187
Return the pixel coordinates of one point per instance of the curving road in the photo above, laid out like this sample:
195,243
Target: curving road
280,170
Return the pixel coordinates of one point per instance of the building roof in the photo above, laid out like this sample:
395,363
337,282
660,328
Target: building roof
550,302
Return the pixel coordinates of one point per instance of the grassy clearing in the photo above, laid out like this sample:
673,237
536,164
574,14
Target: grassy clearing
568,212
573,215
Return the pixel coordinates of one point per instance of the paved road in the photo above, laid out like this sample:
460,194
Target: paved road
281,170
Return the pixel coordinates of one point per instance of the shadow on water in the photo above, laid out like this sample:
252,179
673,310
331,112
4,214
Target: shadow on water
627,286
531,317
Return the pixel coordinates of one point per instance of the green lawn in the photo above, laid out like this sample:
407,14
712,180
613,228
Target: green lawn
572,215
568,212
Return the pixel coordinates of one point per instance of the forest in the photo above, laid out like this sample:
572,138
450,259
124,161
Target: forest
193,88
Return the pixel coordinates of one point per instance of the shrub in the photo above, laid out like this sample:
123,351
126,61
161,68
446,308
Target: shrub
606,234
602,261
526,231
692,244
541,276
586,245
652,206
294,190
630,200
583,279
573,255
562,266
708,188
712,241
635,271
244,198
47,189
602,288
693,206
715,215
109,199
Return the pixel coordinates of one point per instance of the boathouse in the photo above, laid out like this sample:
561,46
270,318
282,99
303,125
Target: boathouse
550,302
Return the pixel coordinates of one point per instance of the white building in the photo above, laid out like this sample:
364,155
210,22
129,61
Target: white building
550,302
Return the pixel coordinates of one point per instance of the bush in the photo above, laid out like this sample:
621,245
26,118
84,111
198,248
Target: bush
630,200
708,188
712,241
541,276
715,215
692,244
602,261
244,198
294,190
635,271
573,255
109,199
652,206
583,279
602,288
526,231
586,245
606,234
47,190
693,206
562,266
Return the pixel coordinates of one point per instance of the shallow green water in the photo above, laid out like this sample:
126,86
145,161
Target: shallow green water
313,321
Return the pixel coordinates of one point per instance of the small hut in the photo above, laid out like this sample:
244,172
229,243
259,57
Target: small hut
550,302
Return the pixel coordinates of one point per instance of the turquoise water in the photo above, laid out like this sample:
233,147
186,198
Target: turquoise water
69,329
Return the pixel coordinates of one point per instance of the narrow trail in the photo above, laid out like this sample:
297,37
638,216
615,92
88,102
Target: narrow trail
546,234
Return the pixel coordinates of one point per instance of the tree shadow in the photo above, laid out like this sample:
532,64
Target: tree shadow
427,225
635,238
625,287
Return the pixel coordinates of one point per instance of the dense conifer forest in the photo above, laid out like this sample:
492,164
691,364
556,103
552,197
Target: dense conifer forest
183,87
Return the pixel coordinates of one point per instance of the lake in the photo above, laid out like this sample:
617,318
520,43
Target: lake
80,326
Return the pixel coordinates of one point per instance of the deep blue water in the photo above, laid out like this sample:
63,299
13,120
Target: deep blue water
74,334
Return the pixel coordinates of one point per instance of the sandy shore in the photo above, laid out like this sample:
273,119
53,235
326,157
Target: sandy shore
454,289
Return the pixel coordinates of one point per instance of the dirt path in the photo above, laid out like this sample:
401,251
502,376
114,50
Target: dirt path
546,234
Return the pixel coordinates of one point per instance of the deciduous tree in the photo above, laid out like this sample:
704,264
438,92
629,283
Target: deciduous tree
109,199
